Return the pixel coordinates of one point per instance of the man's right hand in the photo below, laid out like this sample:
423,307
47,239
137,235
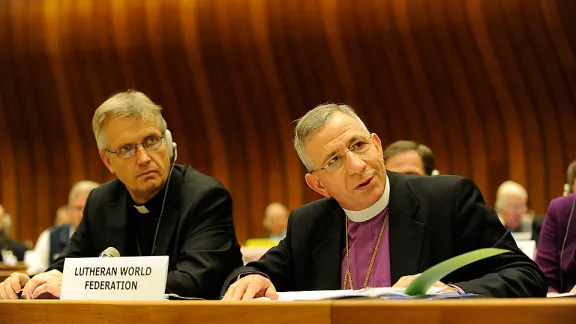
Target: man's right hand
10,287
251,286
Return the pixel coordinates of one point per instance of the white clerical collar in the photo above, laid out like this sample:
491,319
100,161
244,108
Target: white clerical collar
358,216
142,209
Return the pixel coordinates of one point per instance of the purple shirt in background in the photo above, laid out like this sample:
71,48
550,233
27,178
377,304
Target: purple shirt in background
550,245
362,241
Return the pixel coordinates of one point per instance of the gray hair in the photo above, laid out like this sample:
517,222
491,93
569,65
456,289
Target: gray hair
507,189
81,188
128,105
311,123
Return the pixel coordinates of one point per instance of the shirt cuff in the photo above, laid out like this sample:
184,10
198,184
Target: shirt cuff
251,273
460,290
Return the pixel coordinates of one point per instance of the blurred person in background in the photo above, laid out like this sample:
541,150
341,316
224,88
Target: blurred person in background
570,186
276,220
52,241
62,216
511,206
409,157
8,246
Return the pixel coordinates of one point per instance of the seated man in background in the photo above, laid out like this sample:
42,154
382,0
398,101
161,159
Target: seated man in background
276,220
8,246
153,207
62,216
512,207
52,241
409,157
378,228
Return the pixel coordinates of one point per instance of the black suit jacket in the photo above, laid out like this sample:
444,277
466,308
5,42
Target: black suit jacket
17,248
431,219
196,231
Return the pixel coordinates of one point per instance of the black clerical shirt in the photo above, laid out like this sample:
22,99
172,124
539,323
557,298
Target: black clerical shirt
142,226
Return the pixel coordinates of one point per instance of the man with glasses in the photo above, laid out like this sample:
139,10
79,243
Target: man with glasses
377,228
153,207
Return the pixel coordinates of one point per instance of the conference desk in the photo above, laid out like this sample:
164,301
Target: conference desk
20,266
4,274
6,270
471,311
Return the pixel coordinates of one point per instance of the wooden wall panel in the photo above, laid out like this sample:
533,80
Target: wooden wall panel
490,86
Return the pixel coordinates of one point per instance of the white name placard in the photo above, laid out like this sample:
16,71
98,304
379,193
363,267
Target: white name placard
122,278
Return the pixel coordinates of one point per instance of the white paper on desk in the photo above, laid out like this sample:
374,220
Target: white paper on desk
339,294
528,247
569,294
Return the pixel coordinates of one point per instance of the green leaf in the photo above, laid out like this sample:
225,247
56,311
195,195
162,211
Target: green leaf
428,278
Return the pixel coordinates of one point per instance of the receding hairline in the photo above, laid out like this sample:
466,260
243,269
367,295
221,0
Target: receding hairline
148,116
349,140
315,120
509,189
130,104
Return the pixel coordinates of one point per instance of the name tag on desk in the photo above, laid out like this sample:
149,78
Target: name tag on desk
122,278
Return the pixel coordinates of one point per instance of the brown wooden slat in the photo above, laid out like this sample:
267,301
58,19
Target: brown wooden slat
490,86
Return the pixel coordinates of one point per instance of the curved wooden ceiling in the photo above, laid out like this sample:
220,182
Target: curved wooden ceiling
490,86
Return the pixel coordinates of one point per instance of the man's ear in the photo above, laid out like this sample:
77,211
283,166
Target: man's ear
378,143
106,159
315,184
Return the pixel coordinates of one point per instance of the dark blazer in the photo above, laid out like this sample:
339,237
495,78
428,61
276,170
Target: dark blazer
59,237
537,228
196,231
17,248
431,219
550,245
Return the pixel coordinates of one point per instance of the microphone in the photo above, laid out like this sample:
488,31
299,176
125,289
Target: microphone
110,253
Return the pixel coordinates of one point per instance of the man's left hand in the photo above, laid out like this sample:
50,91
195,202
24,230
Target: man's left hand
45,285
405,281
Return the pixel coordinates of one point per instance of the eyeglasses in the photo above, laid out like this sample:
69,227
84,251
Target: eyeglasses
150,143
360,148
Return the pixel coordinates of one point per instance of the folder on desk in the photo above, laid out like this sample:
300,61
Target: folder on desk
564,295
